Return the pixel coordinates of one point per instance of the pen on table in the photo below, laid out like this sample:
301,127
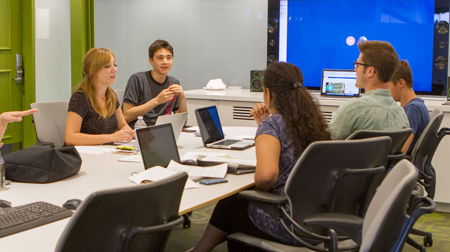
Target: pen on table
125,148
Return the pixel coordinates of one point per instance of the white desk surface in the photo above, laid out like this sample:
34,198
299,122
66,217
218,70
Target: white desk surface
99,172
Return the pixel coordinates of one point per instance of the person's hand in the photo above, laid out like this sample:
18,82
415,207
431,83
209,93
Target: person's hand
1,144
259,112
122,135
164,96
177,89
15,116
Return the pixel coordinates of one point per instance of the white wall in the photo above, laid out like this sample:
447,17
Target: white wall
53,78
211,38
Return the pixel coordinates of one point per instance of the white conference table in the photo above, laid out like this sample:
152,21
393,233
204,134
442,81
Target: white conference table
100,172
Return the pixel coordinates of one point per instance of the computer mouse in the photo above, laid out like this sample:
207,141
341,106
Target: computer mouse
72,204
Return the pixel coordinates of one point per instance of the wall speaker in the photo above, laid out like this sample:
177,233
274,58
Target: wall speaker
256,80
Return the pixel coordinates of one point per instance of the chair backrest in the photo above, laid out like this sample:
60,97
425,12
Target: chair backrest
386,224
336,176
105,218
119,94
50,121
424,150
398,137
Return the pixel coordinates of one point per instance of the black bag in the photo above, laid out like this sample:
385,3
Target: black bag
42,163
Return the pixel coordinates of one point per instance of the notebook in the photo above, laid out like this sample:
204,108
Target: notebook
212,133
177,121
339,83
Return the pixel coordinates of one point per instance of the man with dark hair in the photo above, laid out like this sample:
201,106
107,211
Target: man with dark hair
154,93
375,110
401,87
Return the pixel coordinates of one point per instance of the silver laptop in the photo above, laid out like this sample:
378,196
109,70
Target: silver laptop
339,83
177,121
212,134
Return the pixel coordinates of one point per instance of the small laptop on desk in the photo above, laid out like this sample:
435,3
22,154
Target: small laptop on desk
212,134
157,145
177,120
339,83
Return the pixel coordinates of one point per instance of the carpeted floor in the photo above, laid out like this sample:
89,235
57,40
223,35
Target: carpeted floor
182,239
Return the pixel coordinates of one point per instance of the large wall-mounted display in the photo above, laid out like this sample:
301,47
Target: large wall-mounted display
323,34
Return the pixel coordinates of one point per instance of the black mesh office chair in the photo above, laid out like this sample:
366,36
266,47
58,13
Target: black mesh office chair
330,176
398,137
137,218
421,156
384,227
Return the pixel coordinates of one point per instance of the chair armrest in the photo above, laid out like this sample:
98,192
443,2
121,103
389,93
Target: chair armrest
396,156
408,157
349,225
269,202
263,197
419,205
128,236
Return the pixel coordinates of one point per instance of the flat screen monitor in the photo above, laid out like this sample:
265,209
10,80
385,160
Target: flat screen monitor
323,34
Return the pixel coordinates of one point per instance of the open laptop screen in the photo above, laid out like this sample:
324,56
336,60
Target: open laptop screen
209,124
339,83
157,145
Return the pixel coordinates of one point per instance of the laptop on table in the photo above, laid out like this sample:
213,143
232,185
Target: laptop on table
157,145
177,120
339,83
212,133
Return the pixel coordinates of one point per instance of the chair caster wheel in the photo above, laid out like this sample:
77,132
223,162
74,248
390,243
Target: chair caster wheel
186,221
428,241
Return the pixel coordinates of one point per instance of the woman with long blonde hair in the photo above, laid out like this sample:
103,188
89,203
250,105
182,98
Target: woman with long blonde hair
94,115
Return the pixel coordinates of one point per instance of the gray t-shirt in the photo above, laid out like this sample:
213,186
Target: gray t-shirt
375,110
141,88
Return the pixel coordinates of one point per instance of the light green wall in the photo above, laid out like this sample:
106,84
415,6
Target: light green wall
28,43
81,35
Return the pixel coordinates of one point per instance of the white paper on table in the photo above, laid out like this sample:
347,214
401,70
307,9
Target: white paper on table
94,150
132,158
216,84
215,171
192,155
157,173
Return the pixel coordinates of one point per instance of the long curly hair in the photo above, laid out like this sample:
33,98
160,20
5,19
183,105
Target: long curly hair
94,60
304,120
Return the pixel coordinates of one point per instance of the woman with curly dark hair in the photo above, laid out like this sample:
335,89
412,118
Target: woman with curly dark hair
288,121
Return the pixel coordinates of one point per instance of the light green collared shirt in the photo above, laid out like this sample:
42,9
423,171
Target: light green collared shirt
375,110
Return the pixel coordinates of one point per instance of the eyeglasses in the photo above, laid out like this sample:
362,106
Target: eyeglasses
355,64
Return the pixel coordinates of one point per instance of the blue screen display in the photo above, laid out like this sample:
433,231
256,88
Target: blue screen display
323,34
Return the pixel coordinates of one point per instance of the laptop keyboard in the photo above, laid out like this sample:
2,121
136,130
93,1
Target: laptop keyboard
227,142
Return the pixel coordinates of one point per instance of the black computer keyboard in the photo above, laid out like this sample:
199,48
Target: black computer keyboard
20,218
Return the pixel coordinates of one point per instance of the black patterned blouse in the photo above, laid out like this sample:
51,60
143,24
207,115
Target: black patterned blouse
92,123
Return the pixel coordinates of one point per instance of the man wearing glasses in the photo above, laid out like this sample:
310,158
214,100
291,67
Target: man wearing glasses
375,110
